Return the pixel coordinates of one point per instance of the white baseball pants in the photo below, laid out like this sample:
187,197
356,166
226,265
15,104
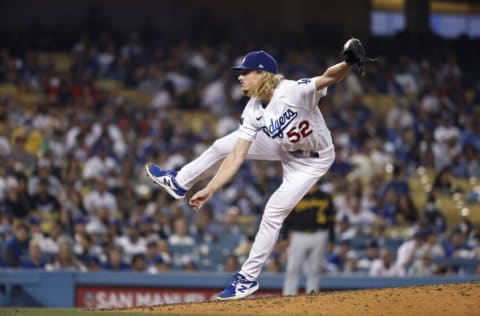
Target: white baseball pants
299,175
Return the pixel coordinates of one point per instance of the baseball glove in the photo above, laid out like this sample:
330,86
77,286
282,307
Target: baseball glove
354,54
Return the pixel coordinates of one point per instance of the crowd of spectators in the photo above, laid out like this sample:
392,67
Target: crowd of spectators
73,194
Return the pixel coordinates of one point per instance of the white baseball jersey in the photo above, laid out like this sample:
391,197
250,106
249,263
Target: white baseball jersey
292,118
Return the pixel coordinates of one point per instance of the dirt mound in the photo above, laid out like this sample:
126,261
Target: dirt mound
432,300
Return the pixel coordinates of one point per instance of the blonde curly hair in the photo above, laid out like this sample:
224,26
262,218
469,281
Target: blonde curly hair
266,86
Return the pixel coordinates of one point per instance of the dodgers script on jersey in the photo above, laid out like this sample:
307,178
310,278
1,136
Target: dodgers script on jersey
292,118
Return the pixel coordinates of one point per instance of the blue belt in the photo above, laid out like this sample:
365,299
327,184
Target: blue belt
308,154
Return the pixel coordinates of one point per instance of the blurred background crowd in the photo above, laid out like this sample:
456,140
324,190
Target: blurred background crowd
83,109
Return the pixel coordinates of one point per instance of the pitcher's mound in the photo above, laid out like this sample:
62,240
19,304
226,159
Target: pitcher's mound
432,300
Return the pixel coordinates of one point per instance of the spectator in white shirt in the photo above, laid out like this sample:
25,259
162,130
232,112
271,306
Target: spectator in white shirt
132,243
432,247
372,253
408,250
423,266
180,236
385,266
99,165
399,117
99,200
359,217
447,142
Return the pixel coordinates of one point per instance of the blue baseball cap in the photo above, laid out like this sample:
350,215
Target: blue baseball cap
258,60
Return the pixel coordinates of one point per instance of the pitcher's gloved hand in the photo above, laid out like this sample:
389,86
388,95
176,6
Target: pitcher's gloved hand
354,54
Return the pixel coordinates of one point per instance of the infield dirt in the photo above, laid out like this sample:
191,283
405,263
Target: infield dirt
432,300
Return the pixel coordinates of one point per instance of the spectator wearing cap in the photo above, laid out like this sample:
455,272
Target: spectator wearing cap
132,243
371,254
407,251
147,226
115,260
35,258
16,248
336,261
456,246
44,174
343,229
160,264
152,251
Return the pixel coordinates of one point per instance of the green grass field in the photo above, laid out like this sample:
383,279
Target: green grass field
65,312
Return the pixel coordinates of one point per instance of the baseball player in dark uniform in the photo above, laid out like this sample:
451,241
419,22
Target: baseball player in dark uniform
310,226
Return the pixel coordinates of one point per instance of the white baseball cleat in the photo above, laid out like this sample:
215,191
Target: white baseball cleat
165,179
238,288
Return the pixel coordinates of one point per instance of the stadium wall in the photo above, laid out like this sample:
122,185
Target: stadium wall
25,288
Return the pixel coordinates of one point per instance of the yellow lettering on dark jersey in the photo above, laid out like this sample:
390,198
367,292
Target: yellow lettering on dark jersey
321,218
320,205
313,203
